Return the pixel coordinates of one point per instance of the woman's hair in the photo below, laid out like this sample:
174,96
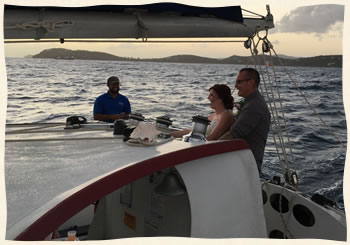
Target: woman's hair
224,93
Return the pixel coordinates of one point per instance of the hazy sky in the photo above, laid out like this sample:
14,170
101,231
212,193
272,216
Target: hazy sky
303,28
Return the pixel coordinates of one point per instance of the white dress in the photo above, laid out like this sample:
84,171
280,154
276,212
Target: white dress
211,126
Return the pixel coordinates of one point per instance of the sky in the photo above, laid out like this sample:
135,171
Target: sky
302,29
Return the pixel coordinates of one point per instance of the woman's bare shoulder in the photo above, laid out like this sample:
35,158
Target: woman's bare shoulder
228,113
227,117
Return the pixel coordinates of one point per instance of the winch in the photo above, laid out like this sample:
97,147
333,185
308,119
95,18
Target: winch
199,129
164,121
135,118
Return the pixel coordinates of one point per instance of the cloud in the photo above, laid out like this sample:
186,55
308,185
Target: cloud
315,19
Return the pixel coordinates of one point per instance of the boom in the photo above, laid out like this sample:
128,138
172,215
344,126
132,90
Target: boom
159,20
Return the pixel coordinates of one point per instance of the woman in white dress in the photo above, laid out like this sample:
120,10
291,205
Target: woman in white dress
222,119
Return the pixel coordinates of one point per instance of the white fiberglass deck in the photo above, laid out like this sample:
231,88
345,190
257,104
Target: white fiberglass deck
38,171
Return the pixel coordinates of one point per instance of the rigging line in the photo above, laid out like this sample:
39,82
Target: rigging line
63,139
283,187
285,226
273,132
282,110
274,102
31,131
144,28
312,107
282,166
252,13
251,58
124,41
11,125
276,119
283,116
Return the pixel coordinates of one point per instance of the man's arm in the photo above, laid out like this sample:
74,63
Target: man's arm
113,117
127,110
226,136
246,122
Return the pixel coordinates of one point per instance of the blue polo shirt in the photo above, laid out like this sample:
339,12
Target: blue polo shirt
105,104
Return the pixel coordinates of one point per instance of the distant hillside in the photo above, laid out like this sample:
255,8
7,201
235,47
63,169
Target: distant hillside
185,59
317,61
61,53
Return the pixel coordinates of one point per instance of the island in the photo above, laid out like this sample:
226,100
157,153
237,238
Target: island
316,61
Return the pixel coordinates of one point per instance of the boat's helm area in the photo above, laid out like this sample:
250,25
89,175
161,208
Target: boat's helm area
155,205
195,197
197,133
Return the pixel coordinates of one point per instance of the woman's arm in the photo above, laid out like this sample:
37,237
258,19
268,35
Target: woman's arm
180,133
224,125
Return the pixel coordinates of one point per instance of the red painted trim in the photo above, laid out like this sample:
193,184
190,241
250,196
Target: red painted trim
52,219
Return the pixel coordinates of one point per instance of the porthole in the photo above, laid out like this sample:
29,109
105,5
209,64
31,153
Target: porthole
278,200
303,215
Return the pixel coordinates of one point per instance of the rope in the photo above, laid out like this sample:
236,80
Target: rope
254,53
274,108
285,225
28,128
306,100
30,131
144,28
65,139
256,14
278,112
39,124
283,117
282,111
48,26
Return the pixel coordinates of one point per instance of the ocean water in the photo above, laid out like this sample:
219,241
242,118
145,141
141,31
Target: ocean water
48,90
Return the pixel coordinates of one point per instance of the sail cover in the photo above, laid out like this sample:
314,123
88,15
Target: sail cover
158,20
232,13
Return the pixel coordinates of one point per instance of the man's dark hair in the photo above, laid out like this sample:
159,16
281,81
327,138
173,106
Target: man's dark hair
112,79
253,74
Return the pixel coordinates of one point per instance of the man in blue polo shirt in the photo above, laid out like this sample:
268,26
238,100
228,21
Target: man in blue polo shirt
112,105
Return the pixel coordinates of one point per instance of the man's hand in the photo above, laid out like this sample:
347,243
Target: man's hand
124,116
105,117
